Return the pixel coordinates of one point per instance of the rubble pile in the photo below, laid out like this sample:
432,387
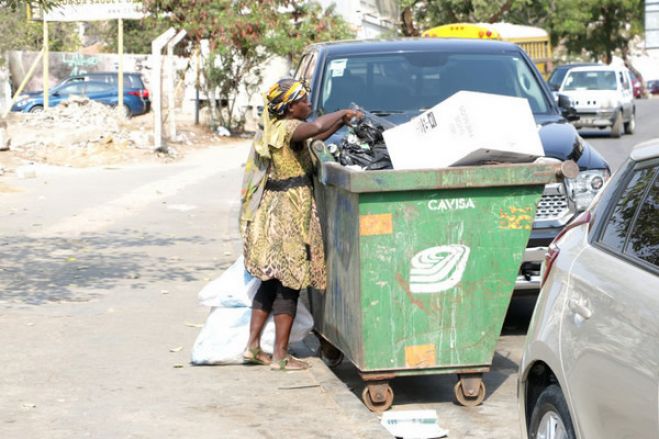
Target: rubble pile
77,127
363,146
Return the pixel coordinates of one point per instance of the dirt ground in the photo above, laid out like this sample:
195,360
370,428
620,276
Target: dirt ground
86,134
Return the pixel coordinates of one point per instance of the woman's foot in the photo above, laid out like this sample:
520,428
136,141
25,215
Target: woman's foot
256,356
289,362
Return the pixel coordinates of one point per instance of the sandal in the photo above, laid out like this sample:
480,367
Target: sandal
289,362
256,356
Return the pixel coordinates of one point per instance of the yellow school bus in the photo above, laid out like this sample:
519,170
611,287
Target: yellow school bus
534,40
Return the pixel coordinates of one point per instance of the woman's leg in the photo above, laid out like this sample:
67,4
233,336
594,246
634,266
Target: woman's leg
284,309
261,308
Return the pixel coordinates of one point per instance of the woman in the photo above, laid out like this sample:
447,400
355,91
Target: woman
279,224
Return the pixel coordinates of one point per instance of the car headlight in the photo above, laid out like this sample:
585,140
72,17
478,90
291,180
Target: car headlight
585,186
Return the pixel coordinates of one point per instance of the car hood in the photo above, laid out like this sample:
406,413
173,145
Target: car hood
559,139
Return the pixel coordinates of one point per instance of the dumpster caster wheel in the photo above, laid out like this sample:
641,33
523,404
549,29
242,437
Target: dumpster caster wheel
378,397
469,400
330,355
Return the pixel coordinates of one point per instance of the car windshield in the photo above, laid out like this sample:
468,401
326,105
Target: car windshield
590,80
412,82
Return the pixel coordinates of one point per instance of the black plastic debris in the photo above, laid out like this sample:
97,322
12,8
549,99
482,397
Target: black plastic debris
364,145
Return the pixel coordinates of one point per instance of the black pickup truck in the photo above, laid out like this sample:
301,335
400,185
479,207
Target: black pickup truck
399,79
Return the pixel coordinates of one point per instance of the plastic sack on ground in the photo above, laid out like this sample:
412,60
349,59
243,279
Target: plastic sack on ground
223,338
234,288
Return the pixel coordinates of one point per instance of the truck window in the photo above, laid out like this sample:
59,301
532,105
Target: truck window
412,82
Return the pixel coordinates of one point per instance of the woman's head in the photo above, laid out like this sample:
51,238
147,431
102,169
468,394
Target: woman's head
288,97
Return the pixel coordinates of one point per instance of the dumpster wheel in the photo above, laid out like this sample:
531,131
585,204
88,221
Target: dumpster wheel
467,400
378,397
330,355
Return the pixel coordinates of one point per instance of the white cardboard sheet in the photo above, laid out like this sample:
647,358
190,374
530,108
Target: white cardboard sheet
468,128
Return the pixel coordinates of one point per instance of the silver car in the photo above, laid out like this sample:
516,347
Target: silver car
590,367
603,97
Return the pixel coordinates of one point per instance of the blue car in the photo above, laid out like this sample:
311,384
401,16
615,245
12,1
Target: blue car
135,101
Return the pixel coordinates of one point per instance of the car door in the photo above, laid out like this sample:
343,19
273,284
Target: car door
609,329
627,94
101,92
65,92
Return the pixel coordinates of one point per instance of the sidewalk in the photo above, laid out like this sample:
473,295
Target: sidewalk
98,305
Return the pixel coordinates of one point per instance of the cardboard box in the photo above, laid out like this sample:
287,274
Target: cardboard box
468,128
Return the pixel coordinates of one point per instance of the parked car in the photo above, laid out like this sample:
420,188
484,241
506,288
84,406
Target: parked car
399,79
602,97
590,367
559,72
132,80
653,86
637,85
102,92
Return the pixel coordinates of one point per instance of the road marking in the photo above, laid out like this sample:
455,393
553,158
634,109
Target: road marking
97,218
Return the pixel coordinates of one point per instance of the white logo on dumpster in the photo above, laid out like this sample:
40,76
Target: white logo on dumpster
438,269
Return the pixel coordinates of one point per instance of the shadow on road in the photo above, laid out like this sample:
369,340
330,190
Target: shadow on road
39,270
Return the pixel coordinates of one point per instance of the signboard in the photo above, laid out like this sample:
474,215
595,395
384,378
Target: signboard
92,10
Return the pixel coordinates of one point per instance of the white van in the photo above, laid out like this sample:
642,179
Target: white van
603,97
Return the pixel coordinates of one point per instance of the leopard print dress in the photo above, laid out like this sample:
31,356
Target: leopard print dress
283,240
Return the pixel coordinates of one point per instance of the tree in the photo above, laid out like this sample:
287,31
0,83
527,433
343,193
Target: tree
20,34
598,27
17,4
138,34
242,35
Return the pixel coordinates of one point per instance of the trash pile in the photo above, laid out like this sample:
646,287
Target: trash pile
77,132
363,147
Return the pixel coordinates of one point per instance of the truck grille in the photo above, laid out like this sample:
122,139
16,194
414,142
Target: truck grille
551,206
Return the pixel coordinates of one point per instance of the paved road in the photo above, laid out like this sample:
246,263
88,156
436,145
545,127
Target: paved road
87,253
615,151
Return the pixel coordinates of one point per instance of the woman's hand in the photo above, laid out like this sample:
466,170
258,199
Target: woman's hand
352,114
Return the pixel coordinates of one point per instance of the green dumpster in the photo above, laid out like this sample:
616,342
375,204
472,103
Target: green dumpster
421,267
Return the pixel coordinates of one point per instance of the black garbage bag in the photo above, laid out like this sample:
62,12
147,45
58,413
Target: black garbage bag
364,145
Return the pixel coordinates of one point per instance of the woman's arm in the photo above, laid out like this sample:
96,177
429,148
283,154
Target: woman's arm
325,125
331,130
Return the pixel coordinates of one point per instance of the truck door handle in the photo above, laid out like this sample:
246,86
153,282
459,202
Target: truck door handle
579,308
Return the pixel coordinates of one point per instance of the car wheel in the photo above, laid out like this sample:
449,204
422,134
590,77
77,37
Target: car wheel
36,109
550,418
616,128
630,126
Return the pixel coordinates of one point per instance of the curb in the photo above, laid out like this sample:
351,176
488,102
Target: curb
367,424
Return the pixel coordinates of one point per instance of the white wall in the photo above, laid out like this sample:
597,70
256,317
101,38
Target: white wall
370,18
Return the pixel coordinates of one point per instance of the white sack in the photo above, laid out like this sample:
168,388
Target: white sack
223,338
234,288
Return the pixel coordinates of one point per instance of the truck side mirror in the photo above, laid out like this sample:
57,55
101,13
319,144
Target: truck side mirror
567,110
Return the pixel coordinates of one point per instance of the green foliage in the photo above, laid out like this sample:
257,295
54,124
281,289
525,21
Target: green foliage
19,4
138,34
244,34
599,28
20,34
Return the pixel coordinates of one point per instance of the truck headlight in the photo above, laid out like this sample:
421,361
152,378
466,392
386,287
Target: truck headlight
585,186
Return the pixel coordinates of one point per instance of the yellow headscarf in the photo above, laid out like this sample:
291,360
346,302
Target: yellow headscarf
277,100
